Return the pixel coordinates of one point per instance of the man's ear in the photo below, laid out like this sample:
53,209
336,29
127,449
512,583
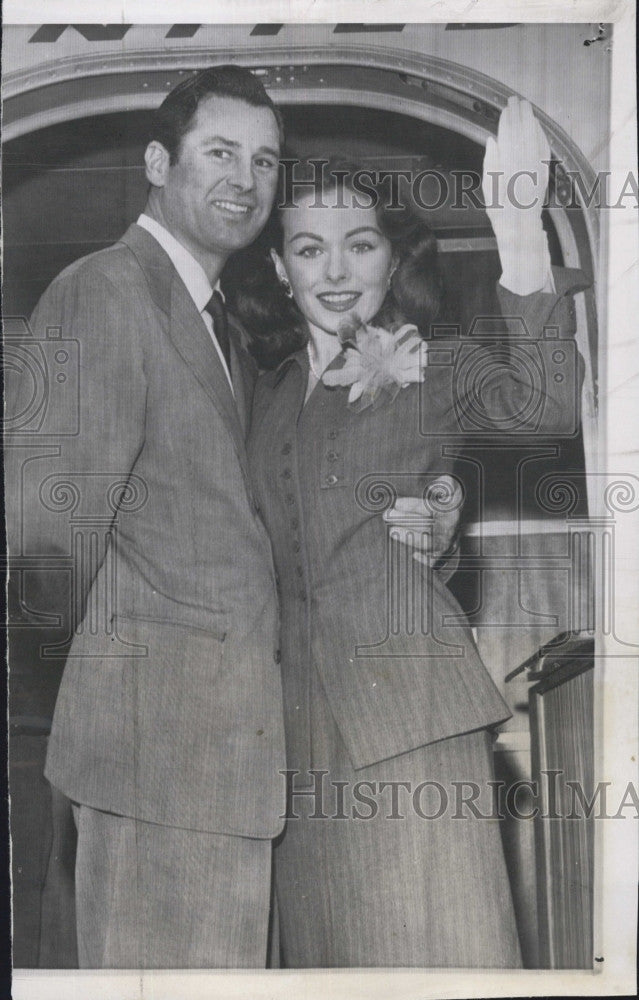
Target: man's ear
278,264
156,160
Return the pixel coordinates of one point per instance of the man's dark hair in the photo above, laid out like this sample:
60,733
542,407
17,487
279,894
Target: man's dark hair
171,121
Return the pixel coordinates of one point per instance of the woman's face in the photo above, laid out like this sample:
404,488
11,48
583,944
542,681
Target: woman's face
337,261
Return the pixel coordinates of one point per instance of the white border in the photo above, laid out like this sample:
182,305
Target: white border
616,897
300,11
620,398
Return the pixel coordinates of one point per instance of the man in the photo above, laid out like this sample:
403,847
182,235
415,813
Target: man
167,735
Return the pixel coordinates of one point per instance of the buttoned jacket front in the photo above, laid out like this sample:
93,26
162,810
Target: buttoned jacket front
390,644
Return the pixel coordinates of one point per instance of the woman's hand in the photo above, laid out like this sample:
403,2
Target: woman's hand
516,168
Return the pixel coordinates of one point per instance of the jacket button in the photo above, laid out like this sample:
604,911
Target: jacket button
332,456
277,656
331,480
332,435
286,449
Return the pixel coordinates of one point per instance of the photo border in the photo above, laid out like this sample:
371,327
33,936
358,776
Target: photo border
616,723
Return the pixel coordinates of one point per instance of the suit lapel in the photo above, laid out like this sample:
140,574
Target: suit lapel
187,330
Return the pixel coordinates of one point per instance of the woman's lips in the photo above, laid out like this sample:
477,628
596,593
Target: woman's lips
339,301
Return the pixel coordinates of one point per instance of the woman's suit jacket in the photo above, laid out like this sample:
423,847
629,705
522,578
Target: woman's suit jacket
390,644
170,707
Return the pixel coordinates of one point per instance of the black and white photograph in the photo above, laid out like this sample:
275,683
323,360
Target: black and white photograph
321,382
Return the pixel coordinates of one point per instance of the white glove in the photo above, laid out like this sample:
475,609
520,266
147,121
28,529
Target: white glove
516,175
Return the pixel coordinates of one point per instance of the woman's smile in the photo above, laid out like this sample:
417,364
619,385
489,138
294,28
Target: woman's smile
339,301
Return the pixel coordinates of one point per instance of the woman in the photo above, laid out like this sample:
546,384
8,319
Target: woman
388,707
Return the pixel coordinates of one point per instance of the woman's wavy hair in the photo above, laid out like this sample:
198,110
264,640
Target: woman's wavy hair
275,325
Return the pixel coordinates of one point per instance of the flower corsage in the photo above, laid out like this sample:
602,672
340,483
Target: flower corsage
377,363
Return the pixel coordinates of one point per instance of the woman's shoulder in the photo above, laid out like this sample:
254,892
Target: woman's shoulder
266,380
264,391
267,384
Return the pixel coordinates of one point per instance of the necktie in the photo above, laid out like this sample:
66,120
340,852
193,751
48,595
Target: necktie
217,311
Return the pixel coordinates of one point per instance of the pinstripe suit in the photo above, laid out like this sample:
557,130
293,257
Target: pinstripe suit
168,725
366,700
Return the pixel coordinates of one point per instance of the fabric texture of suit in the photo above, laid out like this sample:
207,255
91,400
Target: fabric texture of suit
322,489
169,709
381,637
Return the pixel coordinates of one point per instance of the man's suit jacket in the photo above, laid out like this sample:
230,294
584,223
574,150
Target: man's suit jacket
169,708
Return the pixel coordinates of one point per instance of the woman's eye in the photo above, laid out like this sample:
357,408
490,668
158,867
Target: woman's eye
362,247
309,252
221,154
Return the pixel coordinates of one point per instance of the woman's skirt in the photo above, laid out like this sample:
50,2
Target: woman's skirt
396,864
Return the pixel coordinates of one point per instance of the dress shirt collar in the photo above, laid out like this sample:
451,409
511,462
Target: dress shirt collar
190,271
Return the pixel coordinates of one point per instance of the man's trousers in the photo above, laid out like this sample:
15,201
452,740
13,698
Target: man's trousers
158,897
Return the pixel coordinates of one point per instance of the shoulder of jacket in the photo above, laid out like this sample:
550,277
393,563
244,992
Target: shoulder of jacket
115,264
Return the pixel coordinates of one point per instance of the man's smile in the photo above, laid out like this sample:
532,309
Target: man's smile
234,207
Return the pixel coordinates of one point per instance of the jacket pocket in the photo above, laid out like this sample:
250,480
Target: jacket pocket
176,697
131,621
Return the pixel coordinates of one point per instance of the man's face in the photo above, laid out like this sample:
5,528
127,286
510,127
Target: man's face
218,195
